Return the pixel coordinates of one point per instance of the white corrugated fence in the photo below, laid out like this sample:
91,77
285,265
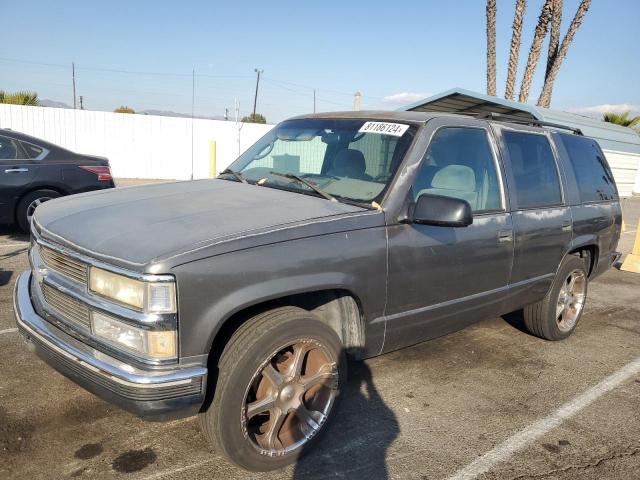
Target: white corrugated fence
138,146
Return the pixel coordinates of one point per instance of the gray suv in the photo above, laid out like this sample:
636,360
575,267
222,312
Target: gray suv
336,235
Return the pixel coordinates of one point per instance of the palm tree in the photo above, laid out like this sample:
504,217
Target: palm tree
554,39
621,119
534,52
547,89
19,98
515,48
491,47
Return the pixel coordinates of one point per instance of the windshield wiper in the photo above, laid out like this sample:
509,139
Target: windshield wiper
301,180
238,175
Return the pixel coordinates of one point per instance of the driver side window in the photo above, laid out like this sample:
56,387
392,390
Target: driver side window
459,163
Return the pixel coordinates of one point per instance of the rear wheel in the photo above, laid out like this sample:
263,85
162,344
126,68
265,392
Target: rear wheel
28,204
556,316
279,380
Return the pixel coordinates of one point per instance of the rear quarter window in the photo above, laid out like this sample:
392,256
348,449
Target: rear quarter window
594,177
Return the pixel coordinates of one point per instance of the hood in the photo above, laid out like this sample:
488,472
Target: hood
137,226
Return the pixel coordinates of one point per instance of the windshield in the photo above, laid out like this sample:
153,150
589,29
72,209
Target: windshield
348,159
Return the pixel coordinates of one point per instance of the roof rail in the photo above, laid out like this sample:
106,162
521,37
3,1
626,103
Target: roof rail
535,122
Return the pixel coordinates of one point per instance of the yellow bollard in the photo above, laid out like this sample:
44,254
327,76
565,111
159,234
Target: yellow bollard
212,159
632,262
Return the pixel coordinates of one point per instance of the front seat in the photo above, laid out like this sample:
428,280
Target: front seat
457,181
349,163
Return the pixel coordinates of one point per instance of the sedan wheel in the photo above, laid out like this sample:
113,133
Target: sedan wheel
31,208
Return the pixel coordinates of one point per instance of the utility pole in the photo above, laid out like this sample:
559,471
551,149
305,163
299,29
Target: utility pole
255,99
193,105
356,101
314,100
73,78
81,106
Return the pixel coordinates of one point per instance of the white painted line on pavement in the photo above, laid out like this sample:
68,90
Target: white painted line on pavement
628,231
524,437
8,330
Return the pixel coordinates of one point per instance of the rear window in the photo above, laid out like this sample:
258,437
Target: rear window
595,181
534,170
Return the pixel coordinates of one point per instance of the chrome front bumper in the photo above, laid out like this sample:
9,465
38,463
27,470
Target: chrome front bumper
152,393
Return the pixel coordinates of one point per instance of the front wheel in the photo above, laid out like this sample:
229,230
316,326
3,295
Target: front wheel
279,380
555,316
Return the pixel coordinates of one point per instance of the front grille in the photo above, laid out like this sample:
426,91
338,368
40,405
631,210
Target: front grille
63,264
67,307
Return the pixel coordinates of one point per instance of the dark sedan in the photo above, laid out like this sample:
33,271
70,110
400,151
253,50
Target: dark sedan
33,171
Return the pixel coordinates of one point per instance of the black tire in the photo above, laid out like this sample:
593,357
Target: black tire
541,318
225,423
23,210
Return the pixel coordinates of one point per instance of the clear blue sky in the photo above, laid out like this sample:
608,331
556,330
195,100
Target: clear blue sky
381,49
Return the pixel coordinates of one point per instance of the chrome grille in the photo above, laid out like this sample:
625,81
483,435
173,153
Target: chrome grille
67,307
63,264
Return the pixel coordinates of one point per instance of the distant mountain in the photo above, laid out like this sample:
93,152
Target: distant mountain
163,113
169,113
52,103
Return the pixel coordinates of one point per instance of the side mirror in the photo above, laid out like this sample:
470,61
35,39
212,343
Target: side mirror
441,211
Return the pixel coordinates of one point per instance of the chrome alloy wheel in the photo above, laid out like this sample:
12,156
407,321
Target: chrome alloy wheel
571,300
290,397
33,205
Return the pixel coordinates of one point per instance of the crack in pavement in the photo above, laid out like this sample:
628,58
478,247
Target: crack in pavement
631,451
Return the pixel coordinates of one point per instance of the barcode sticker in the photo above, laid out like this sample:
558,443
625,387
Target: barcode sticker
384,128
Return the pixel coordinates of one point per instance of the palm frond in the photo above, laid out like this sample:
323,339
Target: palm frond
19,98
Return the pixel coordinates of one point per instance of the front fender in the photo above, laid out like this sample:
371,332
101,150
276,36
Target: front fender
212,290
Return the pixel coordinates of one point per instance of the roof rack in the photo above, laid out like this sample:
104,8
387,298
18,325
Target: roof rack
535,122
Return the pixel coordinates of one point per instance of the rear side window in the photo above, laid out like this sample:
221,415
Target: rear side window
595,181
534,170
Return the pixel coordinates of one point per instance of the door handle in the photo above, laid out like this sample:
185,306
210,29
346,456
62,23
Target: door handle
505,236
566,226
16,170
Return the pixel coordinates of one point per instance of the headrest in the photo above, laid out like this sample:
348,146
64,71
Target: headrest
349,163
455,177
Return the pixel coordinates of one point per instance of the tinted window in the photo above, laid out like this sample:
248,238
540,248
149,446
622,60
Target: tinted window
9,149
595,181
534,170
459,163
33,151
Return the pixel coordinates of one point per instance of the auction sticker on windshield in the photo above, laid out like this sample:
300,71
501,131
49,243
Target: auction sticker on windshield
384,128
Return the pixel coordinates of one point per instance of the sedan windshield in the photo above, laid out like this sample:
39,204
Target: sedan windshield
346,159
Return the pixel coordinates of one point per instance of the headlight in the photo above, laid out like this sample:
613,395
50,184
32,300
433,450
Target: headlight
160,345
150,297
